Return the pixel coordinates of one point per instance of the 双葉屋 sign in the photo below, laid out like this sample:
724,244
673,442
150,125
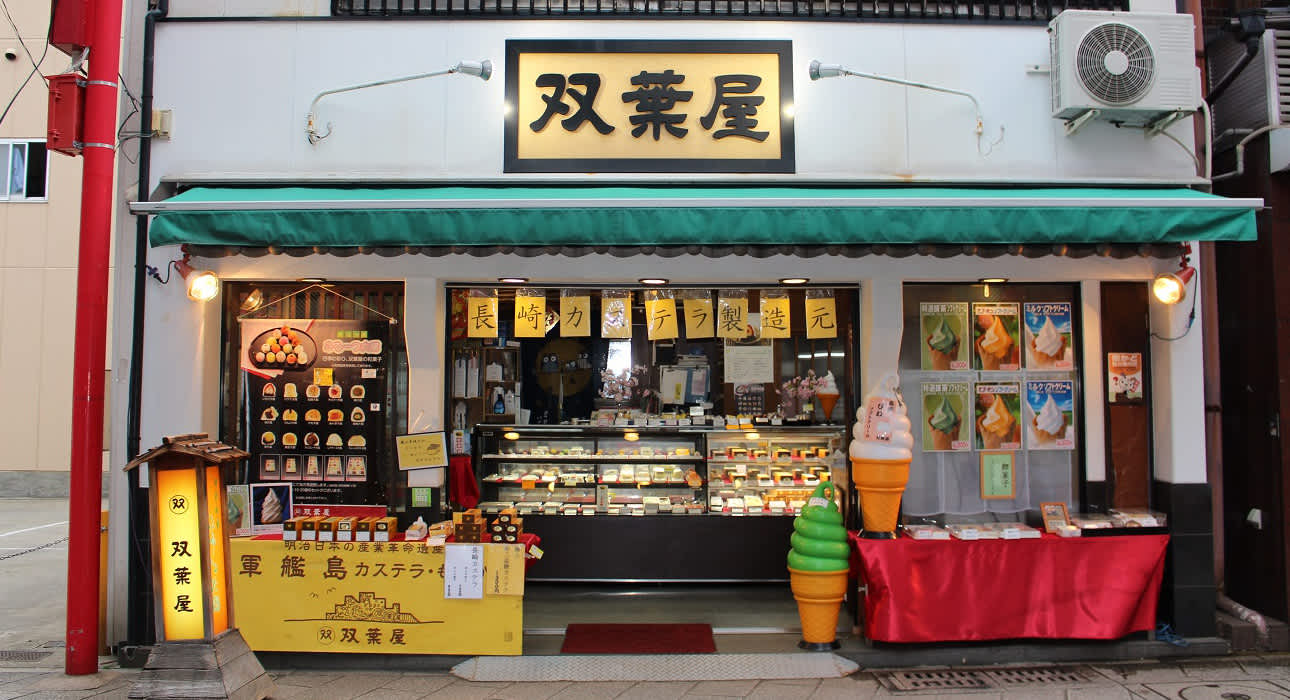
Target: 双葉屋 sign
649,106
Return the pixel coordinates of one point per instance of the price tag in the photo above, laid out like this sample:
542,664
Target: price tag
969,533
877,419
817,501
1011,533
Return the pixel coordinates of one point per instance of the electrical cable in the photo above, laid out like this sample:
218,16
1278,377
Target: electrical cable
35,67
1191,318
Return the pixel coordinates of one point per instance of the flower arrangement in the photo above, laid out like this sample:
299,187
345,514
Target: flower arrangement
621,386
797,392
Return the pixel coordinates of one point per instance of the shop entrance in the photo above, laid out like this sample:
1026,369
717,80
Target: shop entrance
660,457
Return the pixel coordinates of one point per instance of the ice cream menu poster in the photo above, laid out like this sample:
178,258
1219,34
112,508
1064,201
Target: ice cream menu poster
1049,340
997,332
944,405
1050,415
998,415
314,406
943,325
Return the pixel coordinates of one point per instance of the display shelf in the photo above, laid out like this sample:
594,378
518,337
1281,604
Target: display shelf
590,459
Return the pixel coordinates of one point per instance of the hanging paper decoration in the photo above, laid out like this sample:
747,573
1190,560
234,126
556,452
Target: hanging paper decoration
660,315
616,313
775,322
575,313
699,320
821,314
732,315
530,313
481,313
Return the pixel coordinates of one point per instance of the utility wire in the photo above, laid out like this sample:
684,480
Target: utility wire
35,65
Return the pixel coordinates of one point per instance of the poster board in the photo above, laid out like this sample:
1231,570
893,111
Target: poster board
362,597
421,450
998,475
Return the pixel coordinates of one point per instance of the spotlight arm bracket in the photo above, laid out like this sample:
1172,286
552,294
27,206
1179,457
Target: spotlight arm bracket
482,70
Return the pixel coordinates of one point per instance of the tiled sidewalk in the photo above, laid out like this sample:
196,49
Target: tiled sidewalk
1249,676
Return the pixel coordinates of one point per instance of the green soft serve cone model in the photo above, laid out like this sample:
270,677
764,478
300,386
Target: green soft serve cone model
819,541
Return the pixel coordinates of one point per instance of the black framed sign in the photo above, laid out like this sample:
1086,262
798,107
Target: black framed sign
644,106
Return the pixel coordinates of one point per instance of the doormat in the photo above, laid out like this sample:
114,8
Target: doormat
655,667
638,639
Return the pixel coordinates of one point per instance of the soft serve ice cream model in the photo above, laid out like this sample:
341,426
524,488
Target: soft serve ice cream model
881,449
818,566
828,394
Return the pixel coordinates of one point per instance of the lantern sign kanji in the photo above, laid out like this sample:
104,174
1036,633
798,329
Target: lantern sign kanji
649,106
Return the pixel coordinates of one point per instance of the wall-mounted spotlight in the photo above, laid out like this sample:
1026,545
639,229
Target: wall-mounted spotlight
1171,287
202,285
480,69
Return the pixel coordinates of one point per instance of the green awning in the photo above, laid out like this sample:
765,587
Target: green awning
287,217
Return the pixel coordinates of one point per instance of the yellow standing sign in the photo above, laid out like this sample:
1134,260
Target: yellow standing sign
575,317
699,320
732,318
481,319
775,321
369,597
821,318
660,315
530,316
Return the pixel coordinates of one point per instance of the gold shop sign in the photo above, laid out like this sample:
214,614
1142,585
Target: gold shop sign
622,106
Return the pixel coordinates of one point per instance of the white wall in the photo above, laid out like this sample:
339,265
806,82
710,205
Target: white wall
247,87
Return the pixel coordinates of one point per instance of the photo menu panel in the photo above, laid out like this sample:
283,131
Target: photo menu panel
315,413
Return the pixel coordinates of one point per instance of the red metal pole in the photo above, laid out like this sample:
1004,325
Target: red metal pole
91,334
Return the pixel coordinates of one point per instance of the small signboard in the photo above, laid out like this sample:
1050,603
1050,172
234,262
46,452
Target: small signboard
421,450
998,475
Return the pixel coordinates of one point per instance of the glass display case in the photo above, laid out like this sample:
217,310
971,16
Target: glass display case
552,470
768,472
580,471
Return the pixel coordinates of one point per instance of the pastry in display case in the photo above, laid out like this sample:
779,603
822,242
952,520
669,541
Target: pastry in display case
558,470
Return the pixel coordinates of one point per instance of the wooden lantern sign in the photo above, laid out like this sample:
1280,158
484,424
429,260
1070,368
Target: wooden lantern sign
190,575
191,581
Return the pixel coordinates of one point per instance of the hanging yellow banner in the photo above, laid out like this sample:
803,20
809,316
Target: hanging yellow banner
575,316
661,315
530,316
732,318
699,319
775,318
369,597
482,319
615,317
821,318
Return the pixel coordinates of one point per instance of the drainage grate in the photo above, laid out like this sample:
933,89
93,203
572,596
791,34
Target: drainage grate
936,680
981,679
23,655
1015,677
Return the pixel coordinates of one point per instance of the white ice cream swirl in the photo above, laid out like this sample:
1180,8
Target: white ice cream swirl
1049,341
894,426
271,509
1050,418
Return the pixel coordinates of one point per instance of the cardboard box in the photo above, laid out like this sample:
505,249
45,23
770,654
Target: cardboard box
345,528
382,528
327,529
291,528
309,528
363,529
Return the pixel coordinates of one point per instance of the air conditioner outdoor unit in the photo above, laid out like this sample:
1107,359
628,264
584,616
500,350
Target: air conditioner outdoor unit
1132,68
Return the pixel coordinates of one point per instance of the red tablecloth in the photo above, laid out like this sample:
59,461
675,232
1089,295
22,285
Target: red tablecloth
1053,587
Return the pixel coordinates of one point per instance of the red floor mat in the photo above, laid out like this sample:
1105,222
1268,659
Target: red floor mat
638,639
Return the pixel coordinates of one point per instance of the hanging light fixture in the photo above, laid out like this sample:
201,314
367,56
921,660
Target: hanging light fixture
1171,287
253,301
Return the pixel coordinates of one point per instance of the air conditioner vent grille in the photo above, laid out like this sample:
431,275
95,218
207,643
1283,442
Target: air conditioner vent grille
1115,63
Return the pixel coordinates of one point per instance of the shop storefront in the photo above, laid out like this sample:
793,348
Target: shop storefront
646,344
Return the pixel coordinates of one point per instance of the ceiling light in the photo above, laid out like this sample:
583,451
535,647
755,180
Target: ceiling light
311,280
794,280
993,280
511,435
631,436
512,280
653,280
